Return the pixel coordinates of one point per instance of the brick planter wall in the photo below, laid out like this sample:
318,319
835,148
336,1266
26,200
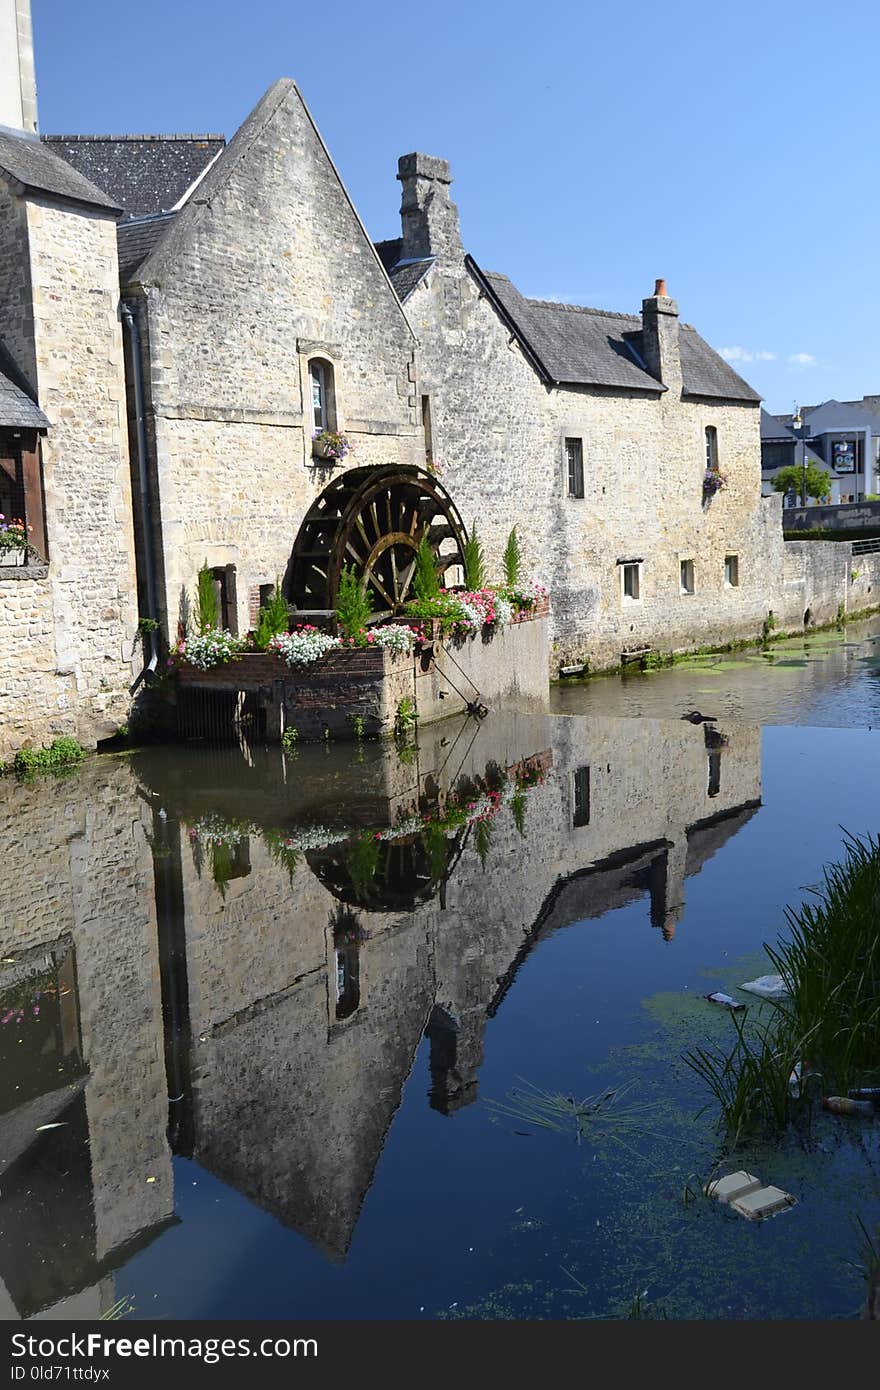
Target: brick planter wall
364,686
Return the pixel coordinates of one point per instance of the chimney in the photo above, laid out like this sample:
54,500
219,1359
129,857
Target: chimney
18,89
660,343
428,216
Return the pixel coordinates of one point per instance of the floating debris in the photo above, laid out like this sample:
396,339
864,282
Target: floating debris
746,1194
767,987
725,1001
845,1105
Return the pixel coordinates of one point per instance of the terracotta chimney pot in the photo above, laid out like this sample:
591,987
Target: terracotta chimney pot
660,288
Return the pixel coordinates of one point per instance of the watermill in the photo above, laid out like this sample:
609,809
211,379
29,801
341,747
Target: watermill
373,519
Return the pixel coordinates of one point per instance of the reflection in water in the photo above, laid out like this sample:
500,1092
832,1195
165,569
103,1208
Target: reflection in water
234,956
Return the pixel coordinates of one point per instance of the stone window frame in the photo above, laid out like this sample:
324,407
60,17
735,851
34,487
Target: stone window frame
710,437
734,569
626,565
567,439
686,575
330,356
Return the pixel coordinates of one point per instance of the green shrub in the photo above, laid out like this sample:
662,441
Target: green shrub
61,754
274,619
208,609
354,605
427,579
474,561
512,559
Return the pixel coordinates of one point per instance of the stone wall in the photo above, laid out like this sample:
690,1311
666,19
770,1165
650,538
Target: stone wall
265,268
67,636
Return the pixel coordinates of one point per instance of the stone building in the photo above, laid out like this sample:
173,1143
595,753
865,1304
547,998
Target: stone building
592,432
68,610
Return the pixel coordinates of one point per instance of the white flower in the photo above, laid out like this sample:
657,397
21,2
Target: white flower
392,637
303,647
211,648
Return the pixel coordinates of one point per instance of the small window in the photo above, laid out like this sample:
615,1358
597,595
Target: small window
687,576
323,393
580,788
631,580
428,426
574,457
348,987
714,756
711,448
731,571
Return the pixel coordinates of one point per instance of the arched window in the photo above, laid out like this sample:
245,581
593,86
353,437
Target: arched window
322,389
711,449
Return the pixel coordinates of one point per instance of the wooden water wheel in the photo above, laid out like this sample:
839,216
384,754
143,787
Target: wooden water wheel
374,519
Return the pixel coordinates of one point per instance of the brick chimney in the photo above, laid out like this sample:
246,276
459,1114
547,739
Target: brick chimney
428,216
660,341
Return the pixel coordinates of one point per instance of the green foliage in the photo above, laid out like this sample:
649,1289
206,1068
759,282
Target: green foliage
146,625
290,738
791,479
436,847
357,723
427,579
767,626
61,755
208,609
354,605
483,840
274,619
474,561
281,851
830,1022
518,810
362,861
406,716
512,559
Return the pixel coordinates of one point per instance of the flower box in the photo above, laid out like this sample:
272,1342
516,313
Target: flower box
16,557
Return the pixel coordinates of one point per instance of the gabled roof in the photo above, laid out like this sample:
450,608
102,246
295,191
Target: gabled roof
146,174
136,238
35,168
17,410
841,415
580,346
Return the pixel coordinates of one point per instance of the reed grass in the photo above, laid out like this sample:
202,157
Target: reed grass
829,1024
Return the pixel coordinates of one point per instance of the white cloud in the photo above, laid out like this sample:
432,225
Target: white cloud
802,359
741,354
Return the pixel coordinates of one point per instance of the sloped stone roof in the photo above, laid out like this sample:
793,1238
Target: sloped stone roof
135,240
580,346
17,410
145,174
38,169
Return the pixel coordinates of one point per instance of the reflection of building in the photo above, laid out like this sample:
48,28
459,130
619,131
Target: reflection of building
277,1013
78,943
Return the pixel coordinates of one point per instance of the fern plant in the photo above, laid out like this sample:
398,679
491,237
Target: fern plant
512,560
427,579
354,605
208,607
474,562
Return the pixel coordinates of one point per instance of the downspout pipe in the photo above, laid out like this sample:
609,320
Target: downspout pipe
134,341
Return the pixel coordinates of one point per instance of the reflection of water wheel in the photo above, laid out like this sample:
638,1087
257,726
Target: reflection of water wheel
373,519
402,879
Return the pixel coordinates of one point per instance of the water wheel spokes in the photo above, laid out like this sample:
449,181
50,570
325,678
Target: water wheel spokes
372,519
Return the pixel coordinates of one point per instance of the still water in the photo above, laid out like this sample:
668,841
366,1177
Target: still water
264,1019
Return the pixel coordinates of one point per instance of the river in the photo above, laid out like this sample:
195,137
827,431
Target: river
278,1031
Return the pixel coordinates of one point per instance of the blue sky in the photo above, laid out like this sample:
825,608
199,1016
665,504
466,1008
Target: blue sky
594,146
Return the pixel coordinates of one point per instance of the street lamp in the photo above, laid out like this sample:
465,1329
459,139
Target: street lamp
798,423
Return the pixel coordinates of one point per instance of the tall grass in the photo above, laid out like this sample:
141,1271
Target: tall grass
829,1026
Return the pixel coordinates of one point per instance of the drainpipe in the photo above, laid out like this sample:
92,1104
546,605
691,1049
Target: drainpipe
134,340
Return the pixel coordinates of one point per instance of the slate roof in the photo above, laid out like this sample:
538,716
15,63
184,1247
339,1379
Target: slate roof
135,240
774,427
39,169
404,275
146,174
579,346
17,410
